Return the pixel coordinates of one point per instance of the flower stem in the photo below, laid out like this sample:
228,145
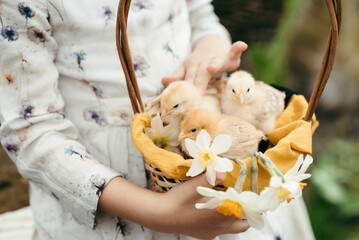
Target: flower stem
242,176
271,168
254,175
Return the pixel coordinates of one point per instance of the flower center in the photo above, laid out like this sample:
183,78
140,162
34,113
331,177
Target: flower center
282,193
229,208
205,157
302,185
160,142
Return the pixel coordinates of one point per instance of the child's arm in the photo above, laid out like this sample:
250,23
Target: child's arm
172,212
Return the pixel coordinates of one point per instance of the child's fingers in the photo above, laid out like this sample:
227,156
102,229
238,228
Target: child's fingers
191,185
231,62
191,72
179,74
237,227
215,65
236,50
202,78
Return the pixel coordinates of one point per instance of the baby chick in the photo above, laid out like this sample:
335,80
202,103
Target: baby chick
180,97
254,101
245,137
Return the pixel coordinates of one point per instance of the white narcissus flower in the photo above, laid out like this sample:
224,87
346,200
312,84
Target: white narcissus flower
205,155
241,205
288,187
163,137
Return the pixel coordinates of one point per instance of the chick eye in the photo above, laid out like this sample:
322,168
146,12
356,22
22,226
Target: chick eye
233,90
175,106
193,130
248,89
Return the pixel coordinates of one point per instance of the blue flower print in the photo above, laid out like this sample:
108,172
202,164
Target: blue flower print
168,49
10,34
70,151
80,56
98,92
12,148
108,13
141,5
141,66
94,116
55,196
170,18
26,110
25,10
121,227
100,185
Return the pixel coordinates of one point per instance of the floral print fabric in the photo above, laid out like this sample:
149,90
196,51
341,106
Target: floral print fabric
64,108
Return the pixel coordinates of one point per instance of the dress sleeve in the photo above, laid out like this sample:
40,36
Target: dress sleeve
204,21
33,129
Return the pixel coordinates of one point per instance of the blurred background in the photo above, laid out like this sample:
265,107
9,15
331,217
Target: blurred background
286,44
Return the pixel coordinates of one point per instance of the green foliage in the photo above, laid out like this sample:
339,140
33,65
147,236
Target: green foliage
333,204
337,176
269,61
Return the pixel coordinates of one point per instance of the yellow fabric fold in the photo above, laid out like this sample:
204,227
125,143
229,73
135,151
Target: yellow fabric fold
291,137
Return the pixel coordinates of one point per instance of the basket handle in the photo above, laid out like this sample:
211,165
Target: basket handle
335,11
124,53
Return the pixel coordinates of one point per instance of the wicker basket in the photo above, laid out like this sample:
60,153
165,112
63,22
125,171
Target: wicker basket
287,138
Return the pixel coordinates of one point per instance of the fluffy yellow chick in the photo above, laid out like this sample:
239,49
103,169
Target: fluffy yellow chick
254,101
180,97
245,137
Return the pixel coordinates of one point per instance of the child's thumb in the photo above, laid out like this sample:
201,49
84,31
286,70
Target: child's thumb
202,181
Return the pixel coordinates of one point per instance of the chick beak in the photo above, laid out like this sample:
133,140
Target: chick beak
241,97
164,114
182,136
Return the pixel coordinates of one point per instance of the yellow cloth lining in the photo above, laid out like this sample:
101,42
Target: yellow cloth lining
291,137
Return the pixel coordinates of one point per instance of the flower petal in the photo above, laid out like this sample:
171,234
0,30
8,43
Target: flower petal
248,198
294,170
211,175
222,164
275,181
171,134
156,123
301,177
221,144
255,220
306,163
211,204
195,169
203,140
150,133
231,194
292,187
191,147
268,200
209,192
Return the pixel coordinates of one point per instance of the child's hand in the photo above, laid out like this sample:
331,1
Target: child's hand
212,55
171,212
182,216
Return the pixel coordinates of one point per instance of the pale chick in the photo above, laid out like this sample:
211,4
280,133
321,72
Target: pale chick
254,101
180,97
245,137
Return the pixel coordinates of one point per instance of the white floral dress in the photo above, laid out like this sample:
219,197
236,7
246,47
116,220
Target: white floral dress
64,108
